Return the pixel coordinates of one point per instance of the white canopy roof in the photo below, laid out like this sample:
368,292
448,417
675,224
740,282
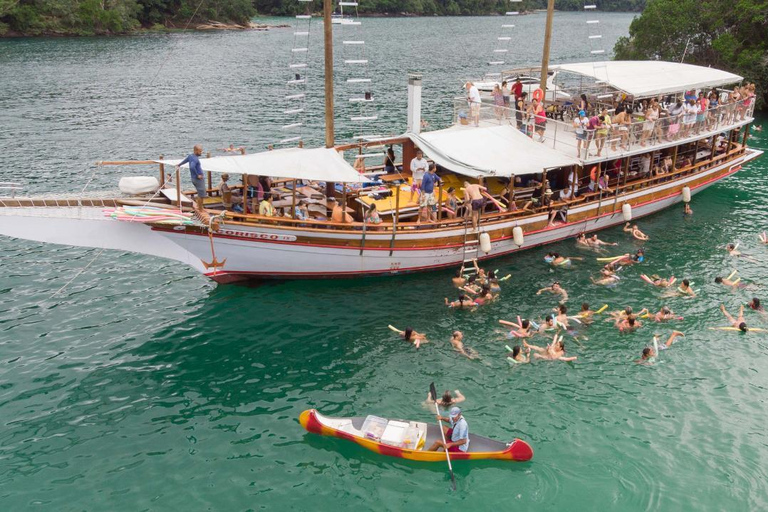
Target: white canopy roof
488,151
318,164
651,77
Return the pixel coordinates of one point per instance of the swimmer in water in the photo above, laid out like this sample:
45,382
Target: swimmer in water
685,288
733,250
629,324
755,305
457,341
556,289
447,400
661,282
596,242
518,356
459,281
562,315
649,353
625,313
485,296
463,302
412,336
664,315
548,324
472,285
493,282
555,351
738,323
687,209
555,260
636,233
727,282
607,278
586,315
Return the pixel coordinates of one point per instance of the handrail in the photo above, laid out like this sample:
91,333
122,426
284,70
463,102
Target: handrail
638,133
386,227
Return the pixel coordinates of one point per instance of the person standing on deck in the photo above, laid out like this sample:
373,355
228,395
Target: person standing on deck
457,437
520,111
473,98
419,167
196,173
474,194
517,89
427,200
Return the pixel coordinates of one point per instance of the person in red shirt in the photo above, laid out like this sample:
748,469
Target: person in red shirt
517,88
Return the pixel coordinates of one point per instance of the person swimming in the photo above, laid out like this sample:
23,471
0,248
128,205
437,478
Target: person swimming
607,278
737,323
412,336
628,324
458,280
636,233
554,259
685,288
457,341
556,289
555,351
650,353
463,302
447,400
485,296
517,356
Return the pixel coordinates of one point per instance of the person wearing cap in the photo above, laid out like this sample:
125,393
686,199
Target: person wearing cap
580,124
457,436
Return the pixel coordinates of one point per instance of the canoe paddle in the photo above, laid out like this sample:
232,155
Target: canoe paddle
433,394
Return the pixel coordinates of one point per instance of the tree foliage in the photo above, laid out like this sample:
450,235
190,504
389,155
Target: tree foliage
726,34
86,17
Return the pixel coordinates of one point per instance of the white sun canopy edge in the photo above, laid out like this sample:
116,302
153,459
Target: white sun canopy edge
317,164
488,151
643,79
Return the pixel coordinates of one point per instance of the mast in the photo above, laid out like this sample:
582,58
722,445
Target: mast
545,55
328,36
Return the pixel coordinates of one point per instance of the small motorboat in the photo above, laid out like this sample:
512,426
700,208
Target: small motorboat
408,439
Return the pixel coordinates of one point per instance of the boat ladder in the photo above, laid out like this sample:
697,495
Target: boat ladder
471,247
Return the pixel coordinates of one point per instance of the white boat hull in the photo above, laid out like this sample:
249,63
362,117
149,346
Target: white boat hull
271,252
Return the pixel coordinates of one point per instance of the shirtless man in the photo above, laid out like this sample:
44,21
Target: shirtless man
636,233
628,324
738,323
548,325
596,242
555,351
607,278
649,353
586,315
685,288
458,344
664,315
458,280
562,315
733,250
557,290
473,193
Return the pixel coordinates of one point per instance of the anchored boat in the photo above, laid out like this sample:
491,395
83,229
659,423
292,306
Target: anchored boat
407,439
546,181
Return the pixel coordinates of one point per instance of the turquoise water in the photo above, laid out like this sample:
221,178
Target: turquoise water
143,386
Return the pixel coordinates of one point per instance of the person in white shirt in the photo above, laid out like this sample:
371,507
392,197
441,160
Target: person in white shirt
419,166
473,98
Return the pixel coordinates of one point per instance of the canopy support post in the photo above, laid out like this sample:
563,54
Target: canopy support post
511,206
293,200
178,188
162,173
395,218
210,177
439,201
246,197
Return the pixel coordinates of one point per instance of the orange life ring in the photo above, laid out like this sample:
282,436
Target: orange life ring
538,94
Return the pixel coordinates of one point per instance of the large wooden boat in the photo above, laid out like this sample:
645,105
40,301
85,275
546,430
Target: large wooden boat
645,166
407,439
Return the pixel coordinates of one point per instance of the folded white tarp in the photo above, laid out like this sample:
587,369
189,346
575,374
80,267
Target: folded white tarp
488,151
318,164
643,79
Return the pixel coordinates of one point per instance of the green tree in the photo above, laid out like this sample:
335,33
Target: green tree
726,34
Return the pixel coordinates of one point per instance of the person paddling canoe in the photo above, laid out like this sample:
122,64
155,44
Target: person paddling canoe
458,433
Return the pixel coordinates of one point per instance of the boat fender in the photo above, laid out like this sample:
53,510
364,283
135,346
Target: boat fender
517,236
485,242
626,211
686,194
137,185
